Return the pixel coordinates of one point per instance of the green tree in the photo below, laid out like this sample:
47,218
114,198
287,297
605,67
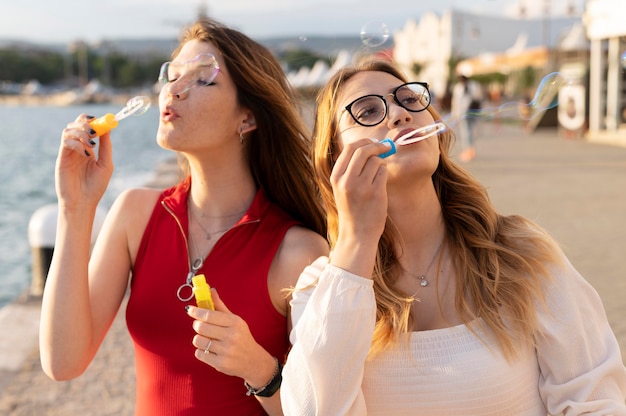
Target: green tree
527,78
114,69
298,58
23,66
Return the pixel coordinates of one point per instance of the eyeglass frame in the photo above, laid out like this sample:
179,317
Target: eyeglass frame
348,108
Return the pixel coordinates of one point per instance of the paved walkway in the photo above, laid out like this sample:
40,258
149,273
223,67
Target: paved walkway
575,189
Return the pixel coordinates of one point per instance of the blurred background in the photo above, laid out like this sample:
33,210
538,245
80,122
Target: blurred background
58,59
551,145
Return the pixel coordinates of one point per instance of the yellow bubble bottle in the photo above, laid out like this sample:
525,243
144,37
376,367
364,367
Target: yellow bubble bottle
202,292
103,124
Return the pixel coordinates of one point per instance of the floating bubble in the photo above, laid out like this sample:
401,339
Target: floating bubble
374,34
546,97
547,92
624,60
302,39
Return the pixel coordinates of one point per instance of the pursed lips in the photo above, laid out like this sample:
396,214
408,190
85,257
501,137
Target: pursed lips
405,133
169,114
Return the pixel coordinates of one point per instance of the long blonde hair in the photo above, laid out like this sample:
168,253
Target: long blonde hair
501,260
278,150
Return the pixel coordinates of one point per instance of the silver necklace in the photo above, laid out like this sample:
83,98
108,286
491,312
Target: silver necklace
422,277
208,233
198,262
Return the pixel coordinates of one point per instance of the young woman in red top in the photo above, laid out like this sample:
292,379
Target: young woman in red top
246,216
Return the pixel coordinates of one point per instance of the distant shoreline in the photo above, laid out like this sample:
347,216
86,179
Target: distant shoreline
61,99
69,98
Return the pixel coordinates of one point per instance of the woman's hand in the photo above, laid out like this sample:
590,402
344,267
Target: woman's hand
359,181
81,175
231,348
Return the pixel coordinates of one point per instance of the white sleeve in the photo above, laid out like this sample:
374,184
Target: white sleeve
334,313
582,371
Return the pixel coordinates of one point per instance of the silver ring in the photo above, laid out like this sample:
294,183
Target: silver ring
208,345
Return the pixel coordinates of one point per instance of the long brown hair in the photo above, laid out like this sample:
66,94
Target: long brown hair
278,149
501,260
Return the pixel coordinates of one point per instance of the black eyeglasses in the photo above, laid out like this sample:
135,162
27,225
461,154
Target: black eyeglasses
371,110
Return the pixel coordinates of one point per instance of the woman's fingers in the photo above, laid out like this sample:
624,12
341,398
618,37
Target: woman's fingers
358,168
355,156
78,135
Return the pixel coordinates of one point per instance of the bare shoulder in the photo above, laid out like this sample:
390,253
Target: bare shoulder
135,204
139,197
131,212
300,247
303,245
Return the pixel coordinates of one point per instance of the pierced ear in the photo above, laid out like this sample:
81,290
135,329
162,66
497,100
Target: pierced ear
249,124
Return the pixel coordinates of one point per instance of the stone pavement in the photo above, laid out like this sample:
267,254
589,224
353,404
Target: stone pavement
107,388
573,188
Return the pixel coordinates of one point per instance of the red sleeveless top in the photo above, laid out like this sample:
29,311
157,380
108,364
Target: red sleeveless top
169,379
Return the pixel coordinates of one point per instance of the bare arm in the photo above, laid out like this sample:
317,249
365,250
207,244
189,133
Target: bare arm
76,309
81,297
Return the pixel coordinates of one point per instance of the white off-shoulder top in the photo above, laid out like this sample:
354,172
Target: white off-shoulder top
576,368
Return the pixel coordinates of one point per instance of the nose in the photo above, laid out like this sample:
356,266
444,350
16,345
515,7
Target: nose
181,95
176,93
398,115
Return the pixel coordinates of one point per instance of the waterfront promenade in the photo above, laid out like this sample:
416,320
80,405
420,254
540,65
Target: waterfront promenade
575,189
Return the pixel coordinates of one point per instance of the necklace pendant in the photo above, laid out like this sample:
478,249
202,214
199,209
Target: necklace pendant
423,281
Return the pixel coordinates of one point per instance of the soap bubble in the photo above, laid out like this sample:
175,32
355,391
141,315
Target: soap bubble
302,38
624,60
547,93
374,34
546,97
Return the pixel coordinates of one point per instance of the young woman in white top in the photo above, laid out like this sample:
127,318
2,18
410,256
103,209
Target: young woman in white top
431,302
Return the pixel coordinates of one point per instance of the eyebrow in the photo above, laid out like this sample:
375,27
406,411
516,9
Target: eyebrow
389,91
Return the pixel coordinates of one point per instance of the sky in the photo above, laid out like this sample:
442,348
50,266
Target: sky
63,21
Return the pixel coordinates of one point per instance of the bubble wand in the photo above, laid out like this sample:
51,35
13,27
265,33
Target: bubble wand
135,106
413,136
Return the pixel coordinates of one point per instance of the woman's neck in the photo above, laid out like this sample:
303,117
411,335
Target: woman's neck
219,190
417,214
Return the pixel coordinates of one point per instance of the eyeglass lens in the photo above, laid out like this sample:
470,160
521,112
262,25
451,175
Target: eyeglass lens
372,109
201,70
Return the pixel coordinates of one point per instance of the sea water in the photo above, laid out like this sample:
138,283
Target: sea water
29,142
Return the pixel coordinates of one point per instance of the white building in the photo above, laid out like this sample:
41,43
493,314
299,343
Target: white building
606,28
436,42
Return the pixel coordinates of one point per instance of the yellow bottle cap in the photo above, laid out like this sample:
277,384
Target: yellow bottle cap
104,124
202,292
